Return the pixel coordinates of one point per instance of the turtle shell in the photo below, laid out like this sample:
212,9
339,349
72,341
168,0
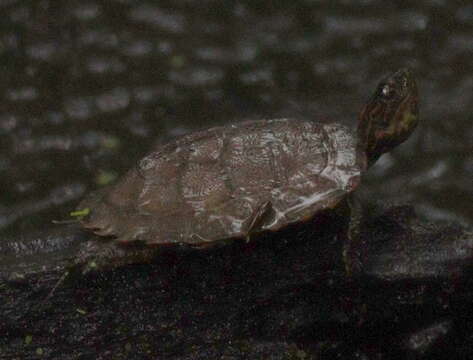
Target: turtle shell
229,182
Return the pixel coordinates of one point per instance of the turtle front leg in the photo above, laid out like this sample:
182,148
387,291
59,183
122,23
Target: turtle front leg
353,244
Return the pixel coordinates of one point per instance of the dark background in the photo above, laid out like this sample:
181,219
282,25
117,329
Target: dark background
86,87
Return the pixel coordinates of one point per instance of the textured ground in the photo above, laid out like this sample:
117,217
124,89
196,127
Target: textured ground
278,298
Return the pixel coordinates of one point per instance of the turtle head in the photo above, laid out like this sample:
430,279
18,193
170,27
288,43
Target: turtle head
390,116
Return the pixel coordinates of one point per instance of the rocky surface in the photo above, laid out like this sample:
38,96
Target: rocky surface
278,298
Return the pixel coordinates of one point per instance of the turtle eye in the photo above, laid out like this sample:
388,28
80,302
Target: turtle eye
386,91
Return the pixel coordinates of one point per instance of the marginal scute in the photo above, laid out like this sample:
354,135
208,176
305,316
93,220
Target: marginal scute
208,186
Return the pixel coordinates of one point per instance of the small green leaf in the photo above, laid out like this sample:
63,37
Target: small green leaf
80,213
28,339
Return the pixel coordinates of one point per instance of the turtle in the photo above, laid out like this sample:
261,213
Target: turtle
245,179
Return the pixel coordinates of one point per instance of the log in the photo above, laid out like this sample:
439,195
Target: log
273,298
